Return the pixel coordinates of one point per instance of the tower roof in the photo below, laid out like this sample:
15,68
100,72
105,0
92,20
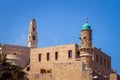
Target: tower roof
86,26
33,21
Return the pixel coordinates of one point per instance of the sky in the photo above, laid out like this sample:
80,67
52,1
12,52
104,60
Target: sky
60,22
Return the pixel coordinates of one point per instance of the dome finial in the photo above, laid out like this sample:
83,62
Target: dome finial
86,26
87,19
33,21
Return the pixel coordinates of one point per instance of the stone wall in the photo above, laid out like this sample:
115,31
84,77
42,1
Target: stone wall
18,55
60,68
103,64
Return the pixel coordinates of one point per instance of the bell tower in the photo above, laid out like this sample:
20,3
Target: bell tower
32,35
86,46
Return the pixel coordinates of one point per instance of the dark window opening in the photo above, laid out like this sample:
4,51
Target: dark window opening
108,64
97,58
34,37
70,54
56,55
28,68
84,37
14,53
42,71
48,56
33,29
104,62
100,60
49,71
78,54
39,57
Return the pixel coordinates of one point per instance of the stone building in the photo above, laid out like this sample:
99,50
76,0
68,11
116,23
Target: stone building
71,61
62,62
20,55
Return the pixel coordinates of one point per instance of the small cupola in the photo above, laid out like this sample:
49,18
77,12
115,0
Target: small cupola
86,26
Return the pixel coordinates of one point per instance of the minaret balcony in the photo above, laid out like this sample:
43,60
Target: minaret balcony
86,55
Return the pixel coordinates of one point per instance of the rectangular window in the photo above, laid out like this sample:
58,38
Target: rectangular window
48,56
56,55
104,62
108,64
100,60
96,58
78,54
39,57
70,54
33,29
33,37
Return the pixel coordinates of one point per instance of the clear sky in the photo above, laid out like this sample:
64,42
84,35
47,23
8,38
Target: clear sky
60,22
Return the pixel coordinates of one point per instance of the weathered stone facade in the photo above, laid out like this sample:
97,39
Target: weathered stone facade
62,66
18,55
63,62
70,62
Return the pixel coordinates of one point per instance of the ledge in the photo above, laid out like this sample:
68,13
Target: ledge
86,55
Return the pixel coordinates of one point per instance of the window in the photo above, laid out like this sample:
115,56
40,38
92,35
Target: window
84,37
28,68
34,37
33,29
70,54
78,54
104,62
100,60
48,56
96,58
14,53
42,71
108,64
56,55
39,57
49,71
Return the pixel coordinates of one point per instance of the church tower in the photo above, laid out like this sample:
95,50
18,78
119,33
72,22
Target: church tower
86,46
32,35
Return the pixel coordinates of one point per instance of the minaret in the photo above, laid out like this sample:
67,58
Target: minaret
86,37
32,35
86,46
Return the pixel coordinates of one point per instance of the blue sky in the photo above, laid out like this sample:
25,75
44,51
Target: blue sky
60,22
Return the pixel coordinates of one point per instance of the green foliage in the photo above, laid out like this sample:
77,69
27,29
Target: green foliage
9,71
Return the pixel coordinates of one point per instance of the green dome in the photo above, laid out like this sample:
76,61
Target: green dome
86,26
